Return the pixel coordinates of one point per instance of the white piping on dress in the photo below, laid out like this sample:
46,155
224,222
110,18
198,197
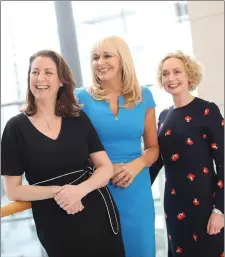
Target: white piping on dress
107,208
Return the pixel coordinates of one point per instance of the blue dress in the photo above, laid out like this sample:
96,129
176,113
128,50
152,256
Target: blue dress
121,136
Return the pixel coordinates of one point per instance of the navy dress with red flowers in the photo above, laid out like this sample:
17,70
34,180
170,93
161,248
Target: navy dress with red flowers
191,140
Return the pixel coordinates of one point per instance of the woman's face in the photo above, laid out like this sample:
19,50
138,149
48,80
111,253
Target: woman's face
44,80
106,66
174,77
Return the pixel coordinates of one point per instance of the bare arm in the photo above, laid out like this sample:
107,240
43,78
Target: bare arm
151,147
15,191
102,174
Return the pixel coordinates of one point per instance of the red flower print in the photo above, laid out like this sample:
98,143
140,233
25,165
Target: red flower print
214,194
179,250
188,118
206,111
214,146
168,132
205,170
195,237
175,157
181,216
196,202
220,184
191,177
222,122
173,192
222,255
189,141
169,236
204,136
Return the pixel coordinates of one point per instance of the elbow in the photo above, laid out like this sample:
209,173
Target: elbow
11,196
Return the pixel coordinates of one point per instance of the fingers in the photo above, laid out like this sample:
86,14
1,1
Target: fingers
213,227
208,225
119,177
74,208
124,180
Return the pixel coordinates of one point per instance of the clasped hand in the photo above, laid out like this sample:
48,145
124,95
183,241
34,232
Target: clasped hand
69,198
123,175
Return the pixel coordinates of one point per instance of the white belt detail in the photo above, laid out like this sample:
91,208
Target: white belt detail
99,190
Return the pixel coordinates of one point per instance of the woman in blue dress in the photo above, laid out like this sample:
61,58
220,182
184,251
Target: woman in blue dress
123,114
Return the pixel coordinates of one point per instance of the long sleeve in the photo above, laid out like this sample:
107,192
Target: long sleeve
215,127
157,166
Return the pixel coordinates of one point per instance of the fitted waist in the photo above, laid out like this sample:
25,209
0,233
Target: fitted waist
123,158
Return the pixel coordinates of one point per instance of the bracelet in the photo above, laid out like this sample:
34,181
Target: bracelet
216,211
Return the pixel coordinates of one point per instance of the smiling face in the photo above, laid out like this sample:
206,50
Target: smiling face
174,77
106,66
44,80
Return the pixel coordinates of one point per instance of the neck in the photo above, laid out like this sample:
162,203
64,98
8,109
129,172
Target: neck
46,108
182,99
113,86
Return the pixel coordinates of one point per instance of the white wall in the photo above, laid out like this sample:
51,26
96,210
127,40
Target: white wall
207,26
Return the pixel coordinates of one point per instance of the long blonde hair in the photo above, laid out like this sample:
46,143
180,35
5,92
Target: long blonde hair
131,89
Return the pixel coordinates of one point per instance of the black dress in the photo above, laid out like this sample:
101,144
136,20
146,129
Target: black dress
190,138
93,232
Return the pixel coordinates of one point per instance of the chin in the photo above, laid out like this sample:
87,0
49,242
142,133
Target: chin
175,91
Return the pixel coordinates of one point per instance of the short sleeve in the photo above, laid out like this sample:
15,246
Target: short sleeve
94,143
215,136
148,98
79,94
11,160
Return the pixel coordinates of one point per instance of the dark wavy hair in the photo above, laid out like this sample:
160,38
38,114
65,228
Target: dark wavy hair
66,103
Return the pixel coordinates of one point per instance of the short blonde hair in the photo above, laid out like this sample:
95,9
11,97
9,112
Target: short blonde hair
191,66
131,89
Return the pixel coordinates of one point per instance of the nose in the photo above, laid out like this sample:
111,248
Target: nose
171,77
101,61
41,76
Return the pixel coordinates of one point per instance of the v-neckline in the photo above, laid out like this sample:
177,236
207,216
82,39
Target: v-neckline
42,134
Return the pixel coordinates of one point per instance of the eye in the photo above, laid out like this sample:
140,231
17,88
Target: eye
34,72
177,71
94,58
108,56
164,74
49,73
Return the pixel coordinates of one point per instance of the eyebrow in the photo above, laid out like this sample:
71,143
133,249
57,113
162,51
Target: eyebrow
177,68
103,53
45,69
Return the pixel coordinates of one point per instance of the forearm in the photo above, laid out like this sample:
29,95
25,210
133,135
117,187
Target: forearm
155,168
99,178
32,193
150,156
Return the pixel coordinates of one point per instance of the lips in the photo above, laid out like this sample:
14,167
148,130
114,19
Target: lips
174,85
104,70
42,86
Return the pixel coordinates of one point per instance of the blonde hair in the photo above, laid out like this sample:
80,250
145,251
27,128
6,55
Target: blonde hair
131,89
191,66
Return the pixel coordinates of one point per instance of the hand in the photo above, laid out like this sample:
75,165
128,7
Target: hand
74,208
215,224
69,195
123,175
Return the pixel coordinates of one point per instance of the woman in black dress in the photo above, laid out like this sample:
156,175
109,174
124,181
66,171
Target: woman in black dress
191,137
52,142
